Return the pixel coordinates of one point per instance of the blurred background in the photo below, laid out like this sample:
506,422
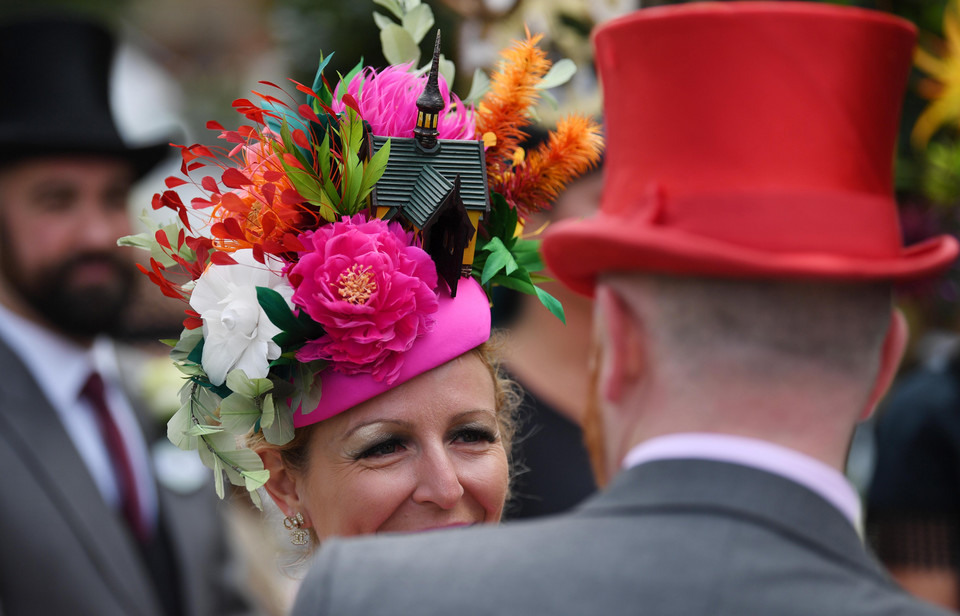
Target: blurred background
185,61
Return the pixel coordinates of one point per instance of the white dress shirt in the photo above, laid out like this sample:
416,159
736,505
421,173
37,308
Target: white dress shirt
61,368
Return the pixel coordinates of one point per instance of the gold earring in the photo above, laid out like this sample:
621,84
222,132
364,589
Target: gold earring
298,536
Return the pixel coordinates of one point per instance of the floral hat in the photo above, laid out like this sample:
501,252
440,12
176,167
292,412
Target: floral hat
347,239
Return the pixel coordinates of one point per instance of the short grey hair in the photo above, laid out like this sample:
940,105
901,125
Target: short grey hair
836,326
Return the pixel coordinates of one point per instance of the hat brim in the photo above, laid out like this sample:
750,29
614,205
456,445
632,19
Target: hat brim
143,159
577,251
462,323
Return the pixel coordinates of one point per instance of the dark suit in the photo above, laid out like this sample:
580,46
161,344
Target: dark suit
65,551
670,538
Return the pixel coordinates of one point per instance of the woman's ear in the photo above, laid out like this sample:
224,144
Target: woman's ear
282,485
894,345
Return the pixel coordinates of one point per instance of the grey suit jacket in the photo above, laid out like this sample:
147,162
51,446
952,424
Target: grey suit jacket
63,550
667,538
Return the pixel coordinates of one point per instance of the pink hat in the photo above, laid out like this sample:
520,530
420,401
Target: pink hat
337,253
462,324
749,139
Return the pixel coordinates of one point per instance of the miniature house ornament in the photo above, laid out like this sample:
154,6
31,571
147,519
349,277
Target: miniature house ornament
437,187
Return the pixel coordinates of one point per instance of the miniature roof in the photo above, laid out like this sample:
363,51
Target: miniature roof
430,189
405,172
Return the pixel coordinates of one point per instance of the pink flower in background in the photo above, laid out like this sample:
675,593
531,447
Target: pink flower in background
372,291
388,101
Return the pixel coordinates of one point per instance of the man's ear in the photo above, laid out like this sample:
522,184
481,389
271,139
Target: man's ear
621,354
894,345
282,485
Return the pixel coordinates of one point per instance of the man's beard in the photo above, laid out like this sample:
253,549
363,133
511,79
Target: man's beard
593,432
81,312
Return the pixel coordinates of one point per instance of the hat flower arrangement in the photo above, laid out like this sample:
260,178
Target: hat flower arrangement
314,246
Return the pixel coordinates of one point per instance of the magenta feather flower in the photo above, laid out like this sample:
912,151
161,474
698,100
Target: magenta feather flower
388,101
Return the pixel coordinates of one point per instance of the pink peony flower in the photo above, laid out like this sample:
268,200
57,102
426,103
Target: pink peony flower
372,291
388,101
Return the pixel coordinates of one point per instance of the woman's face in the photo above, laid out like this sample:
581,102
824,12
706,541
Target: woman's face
427,454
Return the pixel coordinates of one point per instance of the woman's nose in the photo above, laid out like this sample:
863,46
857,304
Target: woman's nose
438,481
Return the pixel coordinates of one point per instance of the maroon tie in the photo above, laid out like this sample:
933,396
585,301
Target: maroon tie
119,455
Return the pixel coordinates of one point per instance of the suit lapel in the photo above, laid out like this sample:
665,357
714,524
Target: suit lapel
737,491
31,424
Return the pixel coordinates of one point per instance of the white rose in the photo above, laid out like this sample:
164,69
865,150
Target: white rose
236,331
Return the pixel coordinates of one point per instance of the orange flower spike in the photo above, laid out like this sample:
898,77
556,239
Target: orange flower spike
571,150
504,110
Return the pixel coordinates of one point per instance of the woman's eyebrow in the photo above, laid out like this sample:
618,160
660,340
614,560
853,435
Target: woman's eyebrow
392,422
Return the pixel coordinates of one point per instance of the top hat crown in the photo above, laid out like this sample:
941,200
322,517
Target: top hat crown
55,72
749,139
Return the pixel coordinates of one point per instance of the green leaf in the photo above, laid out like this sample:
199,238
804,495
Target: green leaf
255,498
353,73
527,254
373,170
502,221
447,68
178,427
255,479
218,476
239,414
286,135
203,430
499,259
280,431
559,74
277,309
391,5
195,355
478,87
205,403
184,349
268,412
239,461
552,304
382,20
239,383
398,46
516,282
418,22
318,86
309,386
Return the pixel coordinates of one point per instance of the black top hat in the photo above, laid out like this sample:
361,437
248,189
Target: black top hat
55,75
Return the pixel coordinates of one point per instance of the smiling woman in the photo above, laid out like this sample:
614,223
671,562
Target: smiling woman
430,453
339,269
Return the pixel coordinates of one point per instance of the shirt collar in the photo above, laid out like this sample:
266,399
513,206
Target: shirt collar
800,468
59,365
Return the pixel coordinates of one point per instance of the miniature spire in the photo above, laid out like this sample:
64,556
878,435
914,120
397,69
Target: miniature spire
430,104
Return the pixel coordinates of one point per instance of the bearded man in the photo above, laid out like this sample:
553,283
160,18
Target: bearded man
86,527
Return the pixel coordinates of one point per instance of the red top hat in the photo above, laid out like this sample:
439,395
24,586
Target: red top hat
749,139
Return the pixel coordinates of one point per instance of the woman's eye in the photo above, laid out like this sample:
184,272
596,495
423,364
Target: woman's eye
382,449
475,435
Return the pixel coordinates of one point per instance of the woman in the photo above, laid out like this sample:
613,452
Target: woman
431,452
347,353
